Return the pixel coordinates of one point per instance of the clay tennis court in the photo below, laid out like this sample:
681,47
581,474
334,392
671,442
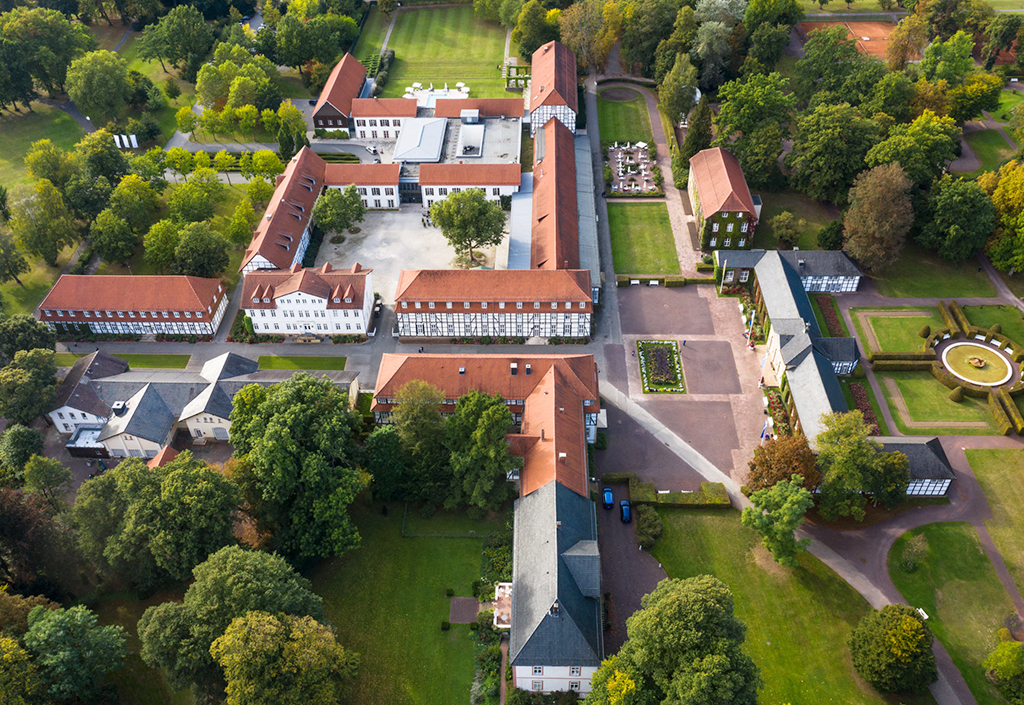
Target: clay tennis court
871,37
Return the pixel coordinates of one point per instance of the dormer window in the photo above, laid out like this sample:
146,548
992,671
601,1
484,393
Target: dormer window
348,299
255,299
462,370
266,299
337,300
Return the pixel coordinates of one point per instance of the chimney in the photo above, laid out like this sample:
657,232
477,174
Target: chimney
542,434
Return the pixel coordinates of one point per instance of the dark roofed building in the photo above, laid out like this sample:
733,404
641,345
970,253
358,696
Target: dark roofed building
930,470
77,401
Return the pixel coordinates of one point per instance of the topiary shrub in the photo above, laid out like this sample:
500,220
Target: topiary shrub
449,592
957,395
445,626
648,526
859,372
925,331
602,441
996,329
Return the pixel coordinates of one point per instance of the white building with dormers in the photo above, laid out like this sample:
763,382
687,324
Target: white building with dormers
324,301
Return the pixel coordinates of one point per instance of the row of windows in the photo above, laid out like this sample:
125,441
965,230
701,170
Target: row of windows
443,191
71,414
501,304
375,191
374,135
727,242
377,204
120,314
573,685
728,227
307,326
316,314
744,276
384,122
573,670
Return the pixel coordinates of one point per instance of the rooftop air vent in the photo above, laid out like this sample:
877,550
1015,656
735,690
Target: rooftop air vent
118,407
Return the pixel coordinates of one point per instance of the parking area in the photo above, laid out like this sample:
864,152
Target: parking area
709,367
649,310
388,242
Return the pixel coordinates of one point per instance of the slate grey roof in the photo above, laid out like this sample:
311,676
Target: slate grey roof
228,365
821,263
555,567
146,416
838,349
926,457
590,256
783,292
212,400
76,389
738,259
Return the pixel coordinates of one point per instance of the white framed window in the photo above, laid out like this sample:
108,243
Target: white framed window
465,304
385,123
430,305
442,191
501,305
375,190
538,670
373,123
728,228
714,227
575,671
391,203
389,191
743,227
728,242
538,685
376,203
519,304
448,304
428,190
554,305
583,304
495,191
714,241
742,242
744,276
729,276
396,122
574,686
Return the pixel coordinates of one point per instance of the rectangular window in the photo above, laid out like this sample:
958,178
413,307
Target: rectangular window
364,203
373,133
188,314
575,670
428,190
385,123
177,314
362,191
742,242
373,123
728,242
495,191
88,316
391,203
519,304
574,686
331,122
583,304
448,304
376,203
120,314
389,191
375,190
465,304
361,123
396,122
714,227
744,275
713,242
387,134
538,670
501,304
443,191
728,228
729,276
538,685
362,134
743,227
430,304
554,305
60,415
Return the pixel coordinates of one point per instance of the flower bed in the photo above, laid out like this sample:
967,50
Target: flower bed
863,404
777,408
661,368
828,311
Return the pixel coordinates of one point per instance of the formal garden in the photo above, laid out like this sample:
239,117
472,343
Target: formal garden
622,117
661,367
642,240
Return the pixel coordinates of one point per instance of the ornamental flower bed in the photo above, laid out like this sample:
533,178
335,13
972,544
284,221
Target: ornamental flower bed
777,408
828,311
661,368
860,399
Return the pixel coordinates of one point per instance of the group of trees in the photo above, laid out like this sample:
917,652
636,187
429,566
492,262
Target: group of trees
28,382
459,461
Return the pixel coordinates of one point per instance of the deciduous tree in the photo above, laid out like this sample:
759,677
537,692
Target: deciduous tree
20,683
47,477
385,461
42,223
421,427
102,157
533,29
580,27
134,201
830,56
780,458
45,42
777,513
698,133
45,160
12,261
339,209
17,444
948,60
200,252
879,217
924,148
243,220
963,218
160,244
259,191
28,385
467,220
771,12
677,93
829,149
978,92
892,650
248,116
23,332
98,83
906,41
480,458
112,238
286,660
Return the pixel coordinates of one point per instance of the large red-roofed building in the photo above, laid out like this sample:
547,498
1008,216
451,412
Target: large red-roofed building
553,87
334,108
725,211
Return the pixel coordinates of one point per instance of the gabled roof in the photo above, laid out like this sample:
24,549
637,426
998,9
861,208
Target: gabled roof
76,388
421,140
166,455
146,415
553,77
838,349
494,285
343,85
820,263
361,174
132,293
470,174
488,107
384,107
212,400
226,366
926,457
325,283
280,229
720,182
555,236
555,573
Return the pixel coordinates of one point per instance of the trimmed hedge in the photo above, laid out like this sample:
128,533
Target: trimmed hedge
951,381
947,317
617,478
958,316
705,267
939,335
1002,420
1016,418
711,494
902,365
923,355
671,280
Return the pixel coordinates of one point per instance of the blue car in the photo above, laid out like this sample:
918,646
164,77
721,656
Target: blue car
625,511
609,500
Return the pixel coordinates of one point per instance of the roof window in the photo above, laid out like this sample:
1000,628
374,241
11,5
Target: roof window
462,370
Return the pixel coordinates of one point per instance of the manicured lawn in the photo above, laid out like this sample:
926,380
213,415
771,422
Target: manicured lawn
137,683
107,35
65,359
386,601
37,281
1008,317
152,69
20,130
642,241
844,382
898,333
817,216
623,120
928,400
808,610
966,604
371,39
299,362
999,472
170,362
446,44
990,147
1008,100
526,153
920,273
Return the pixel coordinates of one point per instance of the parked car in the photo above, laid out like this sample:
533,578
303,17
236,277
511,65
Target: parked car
371,149
625,511
609,500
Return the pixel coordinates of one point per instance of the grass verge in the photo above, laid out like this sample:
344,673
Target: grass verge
1008,100
998,472
990,147
957,586
300,362
896,333
817,216
642,241
168,362
623,120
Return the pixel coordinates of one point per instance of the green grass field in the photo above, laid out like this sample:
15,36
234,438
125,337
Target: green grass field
387,599
920,273
928,400
898,333
808,611
817,216
642,241
623,120
170,362
371,39
151,68
446,44
20,130
37,281
300,362
966,604
1008,317
1008,100
990,147
999,472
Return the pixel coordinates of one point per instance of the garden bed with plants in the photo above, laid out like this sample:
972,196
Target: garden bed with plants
827,306
661,368
863,403
777,409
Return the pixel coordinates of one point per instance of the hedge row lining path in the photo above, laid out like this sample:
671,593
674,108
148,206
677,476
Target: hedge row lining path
901,406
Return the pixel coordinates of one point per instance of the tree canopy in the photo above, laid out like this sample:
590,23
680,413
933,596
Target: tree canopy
23,332
28,385
469,220
339,209
892,650
480,457
879,217
778,459
777,513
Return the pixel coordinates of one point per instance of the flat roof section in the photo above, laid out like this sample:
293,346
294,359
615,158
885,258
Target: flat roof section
520,230
499,140
590,255
421,140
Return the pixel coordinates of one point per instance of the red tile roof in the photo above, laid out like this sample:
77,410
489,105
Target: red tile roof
166,455
555,238
361,174
384,107
720,182
488,107
553,393
343,85
280,229
325,283
553,77
133,293
470,174
494,286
